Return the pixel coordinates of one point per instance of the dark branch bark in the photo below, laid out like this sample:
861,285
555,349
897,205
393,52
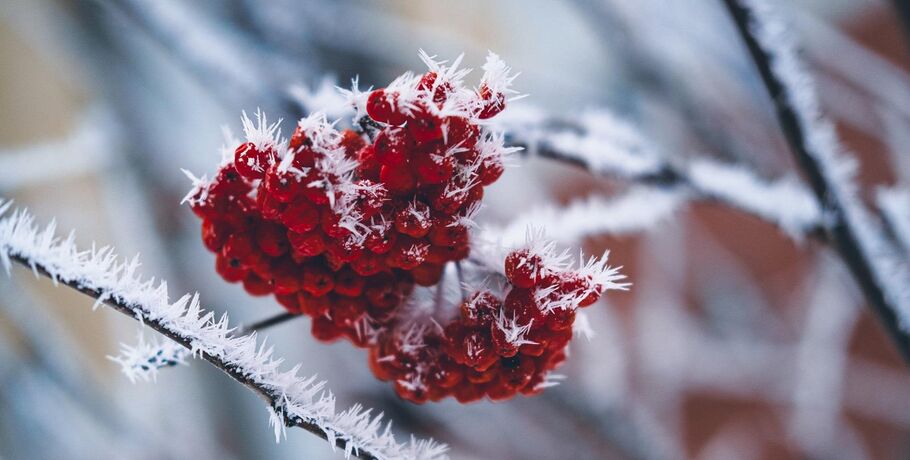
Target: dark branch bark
841,235
138,314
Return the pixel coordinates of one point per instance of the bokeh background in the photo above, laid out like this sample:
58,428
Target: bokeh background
735,341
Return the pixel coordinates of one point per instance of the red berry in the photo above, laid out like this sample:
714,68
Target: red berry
523,268
300,216
257,286
391,147
289,302
348,283
491,170
271,239
351,142
214,234
252,162
307,244
433,167
480,309
491,103
399,180
325,330
231,269
413,220
459,131
424,126
317,281
383,107
427,274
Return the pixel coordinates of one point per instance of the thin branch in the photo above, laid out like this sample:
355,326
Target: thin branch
268,322
293,401
605,145
815,147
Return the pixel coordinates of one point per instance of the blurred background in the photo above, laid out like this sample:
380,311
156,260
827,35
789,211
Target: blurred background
735,341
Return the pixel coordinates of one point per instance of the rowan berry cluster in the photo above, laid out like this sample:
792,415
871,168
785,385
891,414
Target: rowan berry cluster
342,225
498,345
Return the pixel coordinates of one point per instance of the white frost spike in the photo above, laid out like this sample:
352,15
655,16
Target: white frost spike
292,396
515,333
261,134
497,75
142,361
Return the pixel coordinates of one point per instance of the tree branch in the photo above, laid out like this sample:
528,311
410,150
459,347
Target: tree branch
814,145
293,401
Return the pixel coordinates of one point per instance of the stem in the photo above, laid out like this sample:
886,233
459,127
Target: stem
268,322
838,229
137,313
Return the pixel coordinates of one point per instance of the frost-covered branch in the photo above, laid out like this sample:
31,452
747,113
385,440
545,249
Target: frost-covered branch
292,400
813,139
142,361
606,145
894,204
638,210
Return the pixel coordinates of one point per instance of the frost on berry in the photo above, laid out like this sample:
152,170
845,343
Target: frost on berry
359,230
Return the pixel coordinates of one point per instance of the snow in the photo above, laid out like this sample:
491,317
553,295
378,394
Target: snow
118,280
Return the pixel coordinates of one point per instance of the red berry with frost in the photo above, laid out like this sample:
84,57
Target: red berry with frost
480,309
413,220
254,285
252,162
433,167
491,170
383,107
459,131
523,268
391,147
424,126
491,103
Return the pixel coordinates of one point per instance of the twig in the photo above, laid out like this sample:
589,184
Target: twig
837,226
231,371
293,401
577,142
268,322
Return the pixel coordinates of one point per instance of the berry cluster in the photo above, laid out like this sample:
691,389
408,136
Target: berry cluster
497,346
344,225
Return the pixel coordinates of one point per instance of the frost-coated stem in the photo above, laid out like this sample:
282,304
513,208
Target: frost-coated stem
293,401
797,123
605,145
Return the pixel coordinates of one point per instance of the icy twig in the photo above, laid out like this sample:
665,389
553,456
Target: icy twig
292,400
609,146
852,230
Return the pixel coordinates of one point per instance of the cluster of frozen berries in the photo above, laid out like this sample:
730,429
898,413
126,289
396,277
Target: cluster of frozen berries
342,225
497,346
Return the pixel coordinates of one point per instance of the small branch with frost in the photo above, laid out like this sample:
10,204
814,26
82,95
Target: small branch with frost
608,146
142,361
869,255
292,401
